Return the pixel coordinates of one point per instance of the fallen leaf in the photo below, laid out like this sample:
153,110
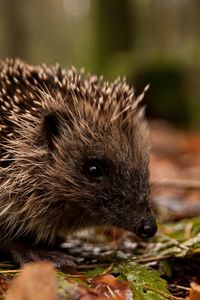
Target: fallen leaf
110,287
37,281
195,291
4,284
145,282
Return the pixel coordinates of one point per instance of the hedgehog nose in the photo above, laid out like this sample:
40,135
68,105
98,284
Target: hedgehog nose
146,229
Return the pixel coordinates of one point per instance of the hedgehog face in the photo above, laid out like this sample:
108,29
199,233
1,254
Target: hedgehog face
101,175
118,188
120,196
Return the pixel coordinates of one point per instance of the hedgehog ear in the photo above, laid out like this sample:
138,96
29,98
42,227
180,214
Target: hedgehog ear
51,124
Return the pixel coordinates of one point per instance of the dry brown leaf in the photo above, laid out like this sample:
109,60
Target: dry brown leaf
37,281
195,291
174,172
111,288
102,287
4,284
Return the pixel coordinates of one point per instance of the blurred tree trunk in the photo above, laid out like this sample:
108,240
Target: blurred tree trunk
113,29
196,6
15,14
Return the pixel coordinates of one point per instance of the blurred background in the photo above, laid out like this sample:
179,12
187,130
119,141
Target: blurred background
148,41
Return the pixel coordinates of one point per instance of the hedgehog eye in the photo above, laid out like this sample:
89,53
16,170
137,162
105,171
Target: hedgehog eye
94,169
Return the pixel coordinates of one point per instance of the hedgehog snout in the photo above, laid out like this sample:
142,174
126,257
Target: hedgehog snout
146,227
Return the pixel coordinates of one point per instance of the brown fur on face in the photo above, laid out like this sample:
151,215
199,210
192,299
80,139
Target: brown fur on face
52,122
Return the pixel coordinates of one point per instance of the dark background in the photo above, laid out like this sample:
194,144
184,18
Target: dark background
149,41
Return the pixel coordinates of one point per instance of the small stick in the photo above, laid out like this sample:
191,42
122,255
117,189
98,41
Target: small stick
167,296
153,258
182,287
93,266
9,271
176,183
4,265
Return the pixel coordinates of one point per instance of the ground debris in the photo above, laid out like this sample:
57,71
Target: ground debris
36,281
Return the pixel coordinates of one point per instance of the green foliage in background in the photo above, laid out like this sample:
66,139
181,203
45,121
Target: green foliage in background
152,41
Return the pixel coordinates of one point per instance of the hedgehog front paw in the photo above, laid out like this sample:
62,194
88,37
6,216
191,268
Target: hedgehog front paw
58,258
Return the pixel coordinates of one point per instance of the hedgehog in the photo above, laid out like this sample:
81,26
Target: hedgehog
74,153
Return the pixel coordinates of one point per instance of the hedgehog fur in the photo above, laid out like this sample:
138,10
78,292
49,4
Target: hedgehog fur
53,122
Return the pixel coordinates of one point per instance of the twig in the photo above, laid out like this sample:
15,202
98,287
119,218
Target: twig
153,258
5,265
167,296
109,269
93,266
176,183
9,271
182,287
196,251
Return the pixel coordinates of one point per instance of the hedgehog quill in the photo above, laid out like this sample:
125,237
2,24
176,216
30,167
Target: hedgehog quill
74,152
